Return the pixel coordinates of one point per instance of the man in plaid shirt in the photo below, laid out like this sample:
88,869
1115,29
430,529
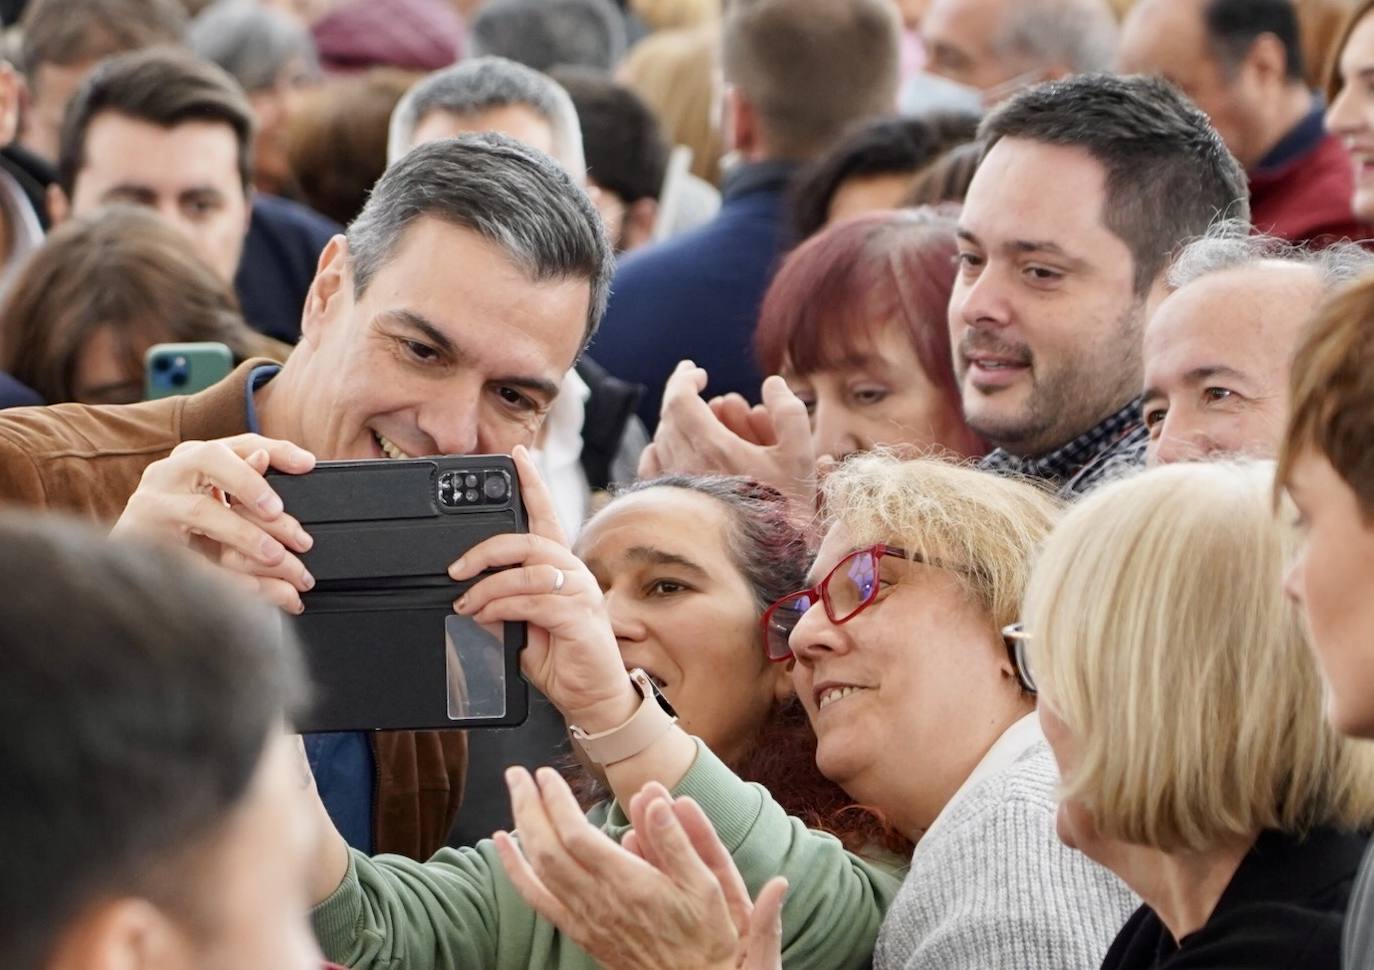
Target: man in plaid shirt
1087,188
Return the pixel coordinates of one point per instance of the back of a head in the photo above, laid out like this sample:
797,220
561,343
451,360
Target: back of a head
68,33
1151,143
551,33
885,146
253,42
134,725
162,86
1167,588
121,269
948,512
337,139
517,198
624,145
1233,26
481,84
673,71
811,68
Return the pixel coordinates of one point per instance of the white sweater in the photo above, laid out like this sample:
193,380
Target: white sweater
991,887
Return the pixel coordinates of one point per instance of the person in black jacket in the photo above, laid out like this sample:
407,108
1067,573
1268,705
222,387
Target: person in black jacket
1184,709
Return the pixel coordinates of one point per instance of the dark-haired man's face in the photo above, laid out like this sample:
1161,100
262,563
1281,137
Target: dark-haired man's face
188,174
451,350
1044,320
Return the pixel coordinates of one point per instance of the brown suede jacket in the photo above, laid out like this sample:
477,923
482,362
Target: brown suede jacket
87,461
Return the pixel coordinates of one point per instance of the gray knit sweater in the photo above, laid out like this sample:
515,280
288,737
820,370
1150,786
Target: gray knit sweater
993,888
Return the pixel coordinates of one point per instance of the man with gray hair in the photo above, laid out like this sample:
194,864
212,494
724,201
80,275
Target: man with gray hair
489,94
545,34
591,437
1217,349
441,324
997,47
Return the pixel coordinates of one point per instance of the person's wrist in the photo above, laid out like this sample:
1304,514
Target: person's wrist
607,714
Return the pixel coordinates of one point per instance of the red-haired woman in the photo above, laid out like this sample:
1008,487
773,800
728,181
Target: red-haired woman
854,325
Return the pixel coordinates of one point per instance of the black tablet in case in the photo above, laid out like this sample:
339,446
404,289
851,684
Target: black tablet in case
382,644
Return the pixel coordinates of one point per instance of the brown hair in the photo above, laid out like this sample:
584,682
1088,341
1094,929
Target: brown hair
947,178
1333,59
163,86
811,68
1331,392
72,32
337,141
121,267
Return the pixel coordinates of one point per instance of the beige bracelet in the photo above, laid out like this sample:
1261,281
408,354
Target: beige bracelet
649,723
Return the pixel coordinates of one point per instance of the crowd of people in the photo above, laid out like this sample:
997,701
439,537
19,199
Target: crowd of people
945,429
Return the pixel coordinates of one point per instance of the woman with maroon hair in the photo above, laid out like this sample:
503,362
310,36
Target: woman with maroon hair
854,325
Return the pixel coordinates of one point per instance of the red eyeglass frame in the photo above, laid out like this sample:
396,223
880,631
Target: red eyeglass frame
820,591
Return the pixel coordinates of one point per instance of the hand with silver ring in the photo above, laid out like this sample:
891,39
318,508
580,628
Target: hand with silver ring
571,655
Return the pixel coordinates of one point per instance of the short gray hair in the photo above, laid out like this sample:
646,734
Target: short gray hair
543,34
252,42
1080,34
509,194
484,84
1230,244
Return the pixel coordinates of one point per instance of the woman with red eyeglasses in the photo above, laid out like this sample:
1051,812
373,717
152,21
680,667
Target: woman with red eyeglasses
919,713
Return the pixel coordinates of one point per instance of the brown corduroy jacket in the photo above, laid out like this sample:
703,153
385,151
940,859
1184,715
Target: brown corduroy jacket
87,461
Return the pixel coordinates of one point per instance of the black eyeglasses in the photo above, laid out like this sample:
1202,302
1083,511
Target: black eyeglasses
1018,645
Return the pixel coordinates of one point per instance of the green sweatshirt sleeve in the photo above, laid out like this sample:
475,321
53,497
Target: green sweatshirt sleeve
460,910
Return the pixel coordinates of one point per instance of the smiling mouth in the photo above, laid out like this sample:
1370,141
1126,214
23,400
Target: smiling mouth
388,447
832,694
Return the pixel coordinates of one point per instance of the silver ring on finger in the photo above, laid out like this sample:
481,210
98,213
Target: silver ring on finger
559,578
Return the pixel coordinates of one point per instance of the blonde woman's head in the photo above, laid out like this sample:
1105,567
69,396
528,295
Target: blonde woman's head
908,693
1176,671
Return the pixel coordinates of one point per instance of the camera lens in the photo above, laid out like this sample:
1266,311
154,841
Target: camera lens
496,487
471,495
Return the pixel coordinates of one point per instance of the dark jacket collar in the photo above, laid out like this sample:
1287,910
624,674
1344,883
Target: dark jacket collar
748,178
1302,139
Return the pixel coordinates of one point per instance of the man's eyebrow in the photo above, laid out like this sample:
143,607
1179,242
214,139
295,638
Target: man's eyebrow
1199,374
419,322
653,556
1021,247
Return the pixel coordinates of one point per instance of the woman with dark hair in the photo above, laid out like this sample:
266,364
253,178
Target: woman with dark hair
686,568
102,289
855,324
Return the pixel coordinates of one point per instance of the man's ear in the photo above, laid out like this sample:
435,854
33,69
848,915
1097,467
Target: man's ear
638,227
1267,60
59,206
122,934
740,126
331,290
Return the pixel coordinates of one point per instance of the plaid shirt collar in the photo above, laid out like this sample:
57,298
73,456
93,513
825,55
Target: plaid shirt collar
1107,450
